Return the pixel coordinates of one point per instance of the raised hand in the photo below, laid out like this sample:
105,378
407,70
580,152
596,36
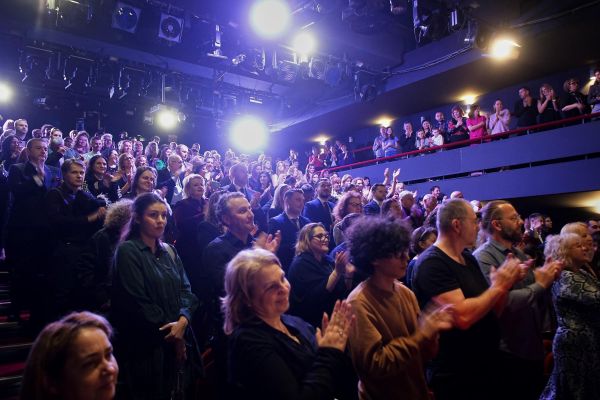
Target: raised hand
341,260
268,242
396,174
546,274
507,274
335,330
435,319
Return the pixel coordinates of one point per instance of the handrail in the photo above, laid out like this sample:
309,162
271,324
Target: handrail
461,143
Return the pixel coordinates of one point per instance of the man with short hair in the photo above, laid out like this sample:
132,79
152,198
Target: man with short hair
447,274
440,123
378,142
411,212
95,147
238,174
407,140
27,227
522,320
22,130
593,226
525,108
289,223
429,203
373,207
319,209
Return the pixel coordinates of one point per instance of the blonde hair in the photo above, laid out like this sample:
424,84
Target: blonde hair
304,237
239,285
558,247
578,228
187,182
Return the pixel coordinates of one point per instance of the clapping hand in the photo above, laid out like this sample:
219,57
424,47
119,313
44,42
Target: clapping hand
341,260
508,273
268,242
334,332
396,174
435,319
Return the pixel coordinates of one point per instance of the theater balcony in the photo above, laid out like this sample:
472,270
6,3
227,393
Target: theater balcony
516,164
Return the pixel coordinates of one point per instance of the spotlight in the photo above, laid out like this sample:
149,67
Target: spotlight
249,133
469,99
270,18
126,17
5,92
504,48
384,121
304,44
167,119
170,28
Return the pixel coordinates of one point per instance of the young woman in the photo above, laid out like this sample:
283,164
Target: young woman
144,181
476,123
152,307
124,175
72,359
98,181
394,338
548,105
112,164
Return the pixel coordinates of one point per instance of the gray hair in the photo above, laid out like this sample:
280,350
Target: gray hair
449,211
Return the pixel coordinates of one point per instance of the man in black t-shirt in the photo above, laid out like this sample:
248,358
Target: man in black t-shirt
447,274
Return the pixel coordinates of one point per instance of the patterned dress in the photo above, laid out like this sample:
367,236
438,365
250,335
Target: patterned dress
576,347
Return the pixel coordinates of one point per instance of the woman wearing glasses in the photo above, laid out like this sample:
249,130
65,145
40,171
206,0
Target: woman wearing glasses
317,280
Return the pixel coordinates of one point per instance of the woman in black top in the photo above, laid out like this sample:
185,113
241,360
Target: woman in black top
548,105
317,280
98,182
273,355
573,102
457,127
152,306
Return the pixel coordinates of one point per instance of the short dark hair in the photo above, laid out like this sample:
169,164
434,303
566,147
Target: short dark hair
374,238
288,194
375,186
433,188
66,167
420,234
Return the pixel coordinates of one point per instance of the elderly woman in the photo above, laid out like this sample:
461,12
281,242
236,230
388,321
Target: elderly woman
152,307
349,203
188,215
576,299
394,342
317,280
72,358
273,355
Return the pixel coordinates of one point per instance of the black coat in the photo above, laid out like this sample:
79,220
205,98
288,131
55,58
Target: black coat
289,236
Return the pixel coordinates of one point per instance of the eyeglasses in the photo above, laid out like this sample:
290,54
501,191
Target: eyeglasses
355,204
321,236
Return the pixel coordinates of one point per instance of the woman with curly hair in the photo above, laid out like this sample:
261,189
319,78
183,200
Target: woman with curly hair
396,339
349,203
576,299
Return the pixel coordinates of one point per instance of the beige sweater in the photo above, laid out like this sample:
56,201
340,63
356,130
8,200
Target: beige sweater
387,350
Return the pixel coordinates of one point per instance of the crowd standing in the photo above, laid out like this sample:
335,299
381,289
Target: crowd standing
301,284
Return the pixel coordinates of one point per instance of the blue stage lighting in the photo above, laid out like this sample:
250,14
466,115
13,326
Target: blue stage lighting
270,18
249,134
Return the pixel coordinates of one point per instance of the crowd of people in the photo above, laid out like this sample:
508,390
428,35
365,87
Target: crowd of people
528,110
301,284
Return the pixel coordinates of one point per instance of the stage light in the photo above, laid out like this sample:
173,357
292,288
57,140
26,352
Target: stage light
249,134
322,140
384,121
304,44
167,119
469,99
5,92
503,48
270,18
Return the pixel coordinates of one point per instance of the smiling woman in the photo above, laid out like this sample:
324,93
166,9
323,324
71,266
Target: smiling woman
72,358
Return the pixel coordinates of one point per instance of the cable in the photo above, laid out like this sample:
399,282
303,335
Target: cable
555,16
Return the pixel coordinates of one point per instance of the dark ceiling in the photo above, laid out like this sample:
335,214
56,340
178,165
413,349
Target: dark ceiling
563,39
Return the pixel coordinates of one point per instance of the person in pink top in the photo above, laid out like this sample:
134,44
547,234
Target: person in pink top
476,123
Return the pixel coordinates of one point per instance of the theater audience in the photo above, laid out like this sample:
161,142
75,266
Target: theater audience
593,98
378,195
72,359
573,102
27,228
125,173
522,321
378,150
317,280
499,120
525,108
548,105
393,339
74,216
289,223
98,182
188,214
152,307
274,355
407,140
476,123
319,209
349,203
576,345
170,180
457,126
94,267
421,239
447,274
